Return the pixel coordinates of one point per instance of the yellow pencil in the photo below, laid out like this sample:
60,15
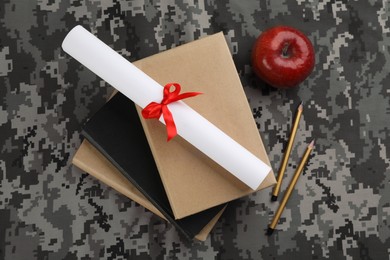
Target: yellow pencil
276,190
290,188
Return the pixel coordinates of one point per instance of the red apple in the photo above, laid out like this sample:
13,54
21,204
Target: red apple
283,57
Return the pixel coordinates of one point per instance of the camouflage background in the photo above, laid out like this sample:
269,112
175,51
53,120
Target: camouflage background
341,206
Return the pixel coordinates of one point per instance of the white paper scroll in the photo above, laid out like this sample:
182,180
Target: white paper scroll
141,89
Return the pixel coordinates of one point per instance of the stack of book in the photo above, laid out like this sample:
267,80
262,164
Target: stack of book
173,179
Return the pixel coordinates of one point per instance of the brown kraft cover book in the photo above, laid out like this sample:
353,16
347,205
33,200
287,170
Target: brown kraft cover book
90,160
192,181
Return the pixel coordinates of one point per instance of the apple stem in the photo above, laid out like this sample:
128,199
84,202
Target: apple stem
285,50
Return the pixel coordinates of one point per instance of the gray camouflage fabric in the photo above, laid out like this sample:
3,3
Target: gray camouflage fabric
340,208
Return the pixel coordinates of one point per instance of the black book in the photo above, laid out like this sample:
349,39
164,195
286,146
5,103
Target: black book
116,131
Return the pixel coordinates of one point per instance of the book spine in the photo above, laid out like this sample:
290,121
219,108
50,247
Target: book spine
162,209
130,192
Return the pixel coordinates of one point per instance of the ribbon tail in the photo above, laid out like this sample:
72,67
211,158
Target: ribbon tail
154,110
185,95
169,122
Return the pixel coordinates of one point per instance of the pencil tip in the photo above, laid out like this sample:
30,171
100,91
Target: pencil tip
311,145
274,198
301,106
270,231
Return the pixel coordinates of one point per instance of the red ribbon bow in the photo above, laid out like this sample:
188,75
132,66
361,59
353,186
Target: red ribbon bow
154,109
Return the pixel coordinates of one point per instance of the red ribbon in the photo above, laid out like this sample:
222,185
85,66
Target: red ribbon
154,109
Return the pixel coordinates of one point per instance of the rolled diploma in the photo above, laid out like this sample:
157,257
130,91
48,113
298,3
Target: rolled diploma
141,89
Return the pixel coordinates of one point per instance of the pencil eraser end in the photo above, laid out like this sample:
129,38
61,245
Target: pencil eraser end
274,198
